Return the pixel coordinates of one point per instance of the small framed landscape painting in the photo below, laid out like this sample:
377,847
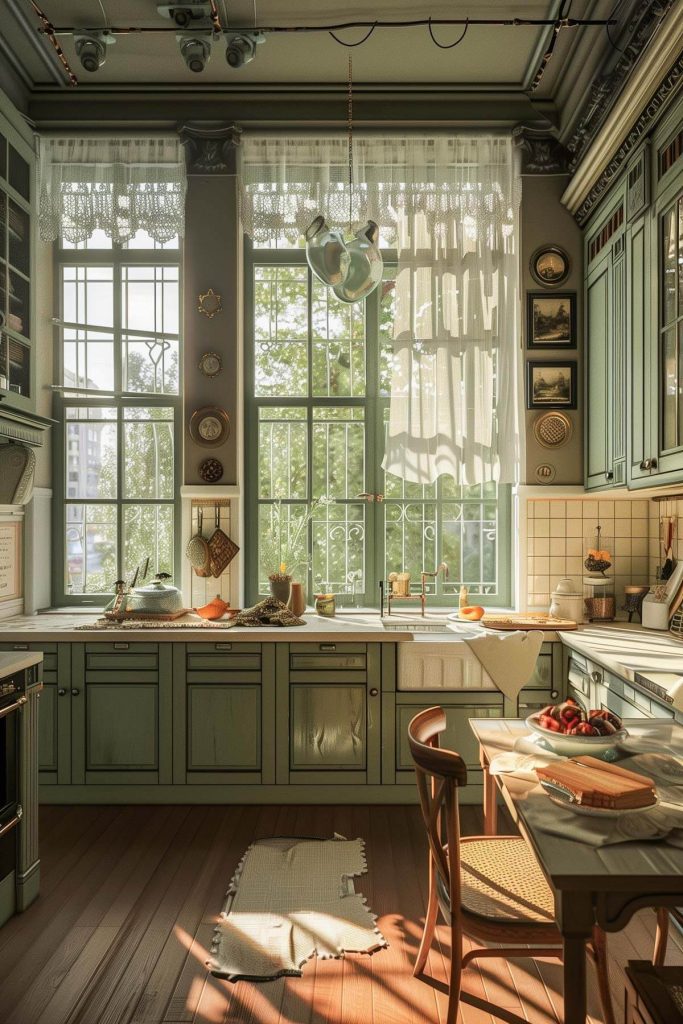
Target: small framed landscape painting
551,320
551,385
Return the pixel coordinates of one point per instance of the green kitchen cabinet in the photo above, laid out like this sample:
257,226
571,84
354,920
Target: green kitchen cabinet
224,708
121,715
605,356
54,711
458,736
329,713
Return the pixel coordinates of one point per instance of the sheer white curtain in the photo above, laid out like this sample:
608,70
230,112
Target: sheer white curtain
454,392
118,185
449,204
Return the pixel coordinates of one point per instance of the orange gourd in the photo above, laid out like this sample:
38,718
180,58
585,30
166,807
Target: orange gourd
473,612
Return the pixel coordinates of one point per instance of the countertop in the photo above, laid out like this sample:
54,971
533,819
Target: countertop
11,662
626,649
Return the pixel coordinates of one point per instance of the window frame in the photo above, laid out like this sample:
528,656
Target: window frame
117,256
374,403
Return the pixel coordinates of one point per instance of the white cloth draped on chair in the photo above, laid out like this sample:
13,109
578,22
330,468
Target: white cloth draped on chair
117,185
449,203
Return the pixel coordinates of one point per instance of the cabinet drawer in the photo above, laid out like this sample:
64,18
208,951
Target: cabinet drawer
216,662
330,655
579,677
117,662
531,700
542,679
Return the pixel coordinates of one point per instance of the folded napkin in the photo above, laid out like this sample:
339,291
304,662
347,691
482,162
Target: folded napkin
509,658
660,822
520,764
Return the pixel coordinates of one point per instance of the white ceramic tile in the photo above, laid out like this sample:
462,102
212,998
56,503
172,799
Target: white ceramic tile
622,509
574,546
639,546
639,509
639,528
574,528
557,509
558,528
541,584
541,565
542,528
540,546
530,527
622,546
557,565
542,510
640,570
530,509
574,565
606,509
574,510
622,527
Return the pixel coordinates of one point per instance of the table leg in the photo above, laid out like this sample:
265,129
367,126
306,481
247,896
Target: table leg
490,799
574,979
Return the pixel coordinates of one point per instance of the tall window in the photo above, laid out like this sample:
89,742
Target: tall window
119,411
318,381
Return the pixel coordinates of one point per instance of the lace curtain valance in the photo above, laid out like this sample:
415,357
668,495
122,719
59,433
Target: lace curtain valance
119,185
285,182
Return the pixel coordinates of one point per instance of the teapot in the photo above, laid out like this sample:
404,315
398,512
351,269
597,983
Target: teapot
158,597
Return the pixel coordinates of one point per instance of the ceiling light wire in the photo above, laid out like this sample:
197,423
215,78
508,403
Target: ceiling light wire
360,41
104,13
447,46
49,30
214,15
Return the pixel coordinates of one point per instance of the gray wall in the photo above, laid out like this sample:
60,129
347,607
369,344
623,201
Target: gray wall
544,221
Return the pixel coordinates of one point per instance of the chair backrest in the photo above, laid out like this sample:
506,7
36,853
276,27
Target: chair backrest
439,773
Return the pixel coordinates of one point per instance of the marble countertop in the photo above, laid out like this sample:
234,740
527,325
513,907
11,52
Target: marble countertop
625,649
11,661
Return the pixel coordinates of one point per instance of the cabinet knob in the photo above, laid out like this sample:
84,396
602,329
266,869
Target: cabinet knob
653,463
61,692
596,677
121,646
609,475
374,691
554,694
646,464
75,691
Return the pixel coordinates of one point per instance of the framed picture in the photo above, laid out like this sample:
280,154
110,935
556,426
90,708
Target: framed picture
549,266
551,385
551,320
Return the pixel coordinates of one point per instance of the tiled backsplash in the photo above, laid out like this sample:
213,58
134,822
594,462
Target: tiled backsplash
557,531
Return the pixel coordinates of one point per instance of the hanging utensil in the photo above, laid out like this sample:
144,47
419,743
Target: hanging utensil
197,549
669,563
222,550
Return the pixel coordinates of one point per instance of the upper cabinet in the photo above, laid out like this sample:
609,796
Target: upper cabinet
605,385
634,320
16,269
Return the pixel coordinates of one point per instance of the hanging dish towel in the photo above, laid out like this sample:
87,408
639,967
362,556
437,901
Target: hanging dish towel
510,658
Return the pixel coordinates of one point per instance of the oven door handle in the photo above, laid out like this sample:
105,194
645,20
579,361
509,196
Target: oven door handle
13,822
13,707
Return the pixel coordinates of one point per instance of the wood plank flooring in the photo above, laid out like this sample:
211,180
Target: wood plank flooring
130,895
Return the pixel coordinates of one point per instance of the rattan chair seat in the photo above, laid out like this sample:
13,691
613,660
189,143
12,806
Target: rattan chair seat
501,881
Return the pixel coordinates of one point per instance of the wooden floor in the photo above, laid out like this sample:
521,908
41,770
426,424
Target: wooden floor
129,900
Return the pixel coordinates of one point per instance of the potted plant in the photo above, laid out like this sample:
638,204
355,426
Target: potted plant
284,545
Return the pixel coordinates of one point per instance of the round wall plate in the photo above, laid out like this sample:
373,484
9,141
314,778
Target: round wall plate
211,470
549,265
545,473
210,426
552,429
211,364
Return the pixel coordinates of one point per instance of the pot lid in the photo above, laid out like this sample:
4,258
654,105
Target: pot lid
158,585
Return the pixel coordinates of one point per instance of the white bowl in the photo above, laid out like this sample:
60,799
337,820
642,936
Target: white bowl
560,743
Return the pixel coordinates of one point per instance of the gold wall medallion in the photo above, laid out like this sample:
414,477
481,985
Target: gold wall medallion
210,426
209,303
211,364
552,429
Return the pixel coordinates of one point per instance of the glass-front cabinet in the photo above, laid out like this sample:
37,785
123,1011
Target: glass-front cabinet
16,370
671,332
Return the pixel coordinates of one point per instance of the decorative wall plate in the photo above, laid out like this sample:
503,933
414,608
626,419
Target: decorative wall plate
549,265
552,429
209,303
211,470
545,473
211,364
210,426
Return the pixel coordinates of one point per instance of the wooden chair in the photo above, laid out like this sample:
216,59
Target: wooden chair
489,888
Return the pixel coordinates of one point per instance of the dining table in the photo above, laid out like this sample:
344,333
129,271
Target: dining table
591,884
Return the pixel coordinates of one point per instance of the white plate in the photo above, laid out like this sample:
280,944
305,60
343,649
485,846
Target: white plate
596,812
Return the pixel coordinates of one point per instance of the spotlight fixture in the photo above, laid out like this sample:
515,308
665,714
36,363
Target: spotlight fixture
184,14
91,48
195,50
242,47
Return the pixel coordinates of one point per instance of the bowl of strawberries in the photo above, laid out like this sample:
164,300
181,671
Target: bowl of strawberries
569,729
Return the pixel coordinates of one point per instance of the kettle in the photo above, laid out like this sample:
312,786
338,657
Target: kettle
565,602
157,597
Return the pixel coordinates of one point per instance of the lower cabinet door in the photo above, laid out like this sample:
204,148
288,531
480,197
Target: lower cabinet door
115,730
48,731
223,732
328,727
457,736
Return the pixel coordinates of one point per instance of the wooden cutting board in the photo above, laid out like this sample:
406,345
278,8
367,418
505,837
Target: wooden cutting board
525,620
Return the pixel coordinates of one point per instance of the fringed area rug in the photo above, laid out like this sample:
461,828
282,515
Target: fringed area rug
289,900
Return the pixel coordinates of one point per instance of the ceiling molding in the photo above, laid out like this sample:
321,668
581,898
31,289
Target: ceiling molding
649,76
37,42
